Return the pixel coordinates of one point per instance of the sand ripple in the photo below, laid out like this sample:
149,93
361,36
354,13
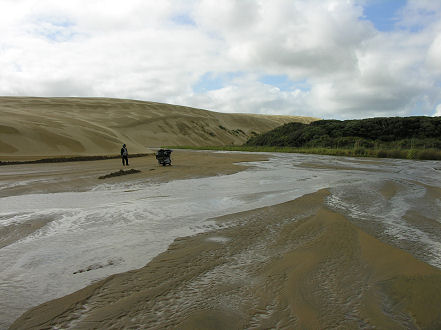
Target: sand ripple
294,265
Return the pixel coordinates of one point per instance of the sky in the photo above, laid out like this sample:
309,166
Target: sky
332,59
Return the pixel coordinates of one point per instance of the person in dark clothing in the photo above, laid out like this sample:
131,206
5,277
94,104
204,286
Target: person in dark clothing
125,155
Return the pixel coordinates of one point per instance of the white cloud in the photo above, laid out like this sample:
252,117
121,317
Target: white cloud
438,111
434,54
138,49
247,94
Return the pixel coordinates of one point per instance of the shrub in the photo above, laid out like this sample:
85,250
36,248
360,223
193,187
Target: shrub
412,154
359,151
429,154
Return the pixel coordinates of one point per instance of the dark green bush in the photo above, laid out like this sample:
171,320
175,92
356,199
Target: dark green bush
389,137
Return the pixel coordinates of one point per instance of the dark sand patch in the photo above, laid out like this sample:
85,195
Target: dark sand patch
389,189
292,265
99,265
67,159
119,173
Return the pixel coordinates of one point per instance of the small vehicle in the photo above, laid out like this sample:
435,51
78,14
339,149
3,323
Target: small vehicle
163,156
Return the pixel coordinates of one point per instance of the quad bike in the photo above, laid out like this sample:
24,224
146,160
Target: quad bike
163,156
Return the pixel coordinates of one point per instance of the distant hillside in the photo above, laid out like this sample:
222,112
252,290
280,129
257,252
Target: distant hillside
32,126
396,132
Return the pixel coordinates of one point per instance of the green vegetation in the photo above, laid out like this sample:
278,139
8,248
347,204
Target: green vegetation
409,137
359,152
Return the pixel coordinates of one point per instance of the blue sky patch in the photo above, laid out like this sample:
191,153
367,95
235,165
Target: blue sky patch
210,81
56,30
383,13
183,19
283,83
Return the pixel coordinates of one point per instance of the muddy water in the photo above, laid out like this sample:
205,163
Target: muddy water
86,236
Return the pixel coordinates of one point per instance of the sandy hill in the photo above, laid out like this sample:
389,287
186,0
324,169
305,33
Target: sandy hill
33,126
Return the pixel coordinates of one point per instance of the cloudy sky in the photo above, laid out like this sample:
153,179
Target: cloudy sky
325,58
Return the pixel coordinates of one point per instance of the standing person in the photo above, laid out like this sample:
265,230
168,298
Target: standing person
125,155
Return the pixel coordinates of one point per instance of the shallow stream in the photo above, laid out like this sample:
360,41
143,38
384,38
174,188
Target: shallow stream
115,228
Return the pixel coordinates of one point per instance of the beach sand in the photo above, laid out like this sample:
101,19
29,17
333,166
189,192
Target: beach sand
295,265
84,175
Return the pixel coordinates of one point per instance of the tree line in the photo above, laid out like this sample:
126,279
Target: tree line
373,133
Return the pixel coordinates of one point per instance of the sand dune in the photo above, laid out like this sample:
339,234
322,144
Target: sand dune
94,126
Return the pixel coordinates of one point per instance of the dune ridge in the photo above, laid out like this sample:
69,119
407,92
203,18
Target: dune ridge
40,127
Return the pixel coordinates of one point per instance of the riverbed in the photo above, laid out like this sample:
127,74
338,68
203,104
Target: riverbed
85,236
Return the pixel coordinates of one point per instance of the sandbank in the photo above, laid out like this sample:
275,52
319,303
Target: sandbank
292,265
82,175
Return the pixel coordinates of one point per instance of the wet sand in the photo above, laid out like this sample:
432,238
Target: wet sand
83,175
293,265
299,264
